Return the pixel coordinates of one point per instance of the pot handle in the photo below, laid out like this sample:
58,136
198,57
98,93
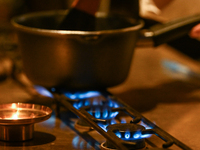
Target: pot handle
163,33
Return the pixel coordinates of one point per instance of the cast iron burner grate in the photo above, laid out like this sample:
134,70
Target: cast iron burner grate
99,115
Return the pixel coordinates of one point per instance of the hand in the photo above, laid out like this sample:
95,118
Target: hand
195,32
162,3
88,6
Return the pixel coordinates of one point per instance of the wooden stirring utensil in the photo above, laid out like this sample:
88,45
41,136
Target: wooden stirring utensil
81,16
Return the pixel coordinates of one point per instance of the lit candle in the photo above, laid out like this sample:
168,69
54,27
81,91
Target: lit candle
16,114
17,120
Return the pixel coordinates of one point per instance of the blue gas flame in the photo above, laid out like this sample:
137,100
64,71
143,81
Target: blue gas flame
94,102
146,127
100,112
118,134
129,136
81,103
123,120
112,103
43,91
79,143
137,135
81,95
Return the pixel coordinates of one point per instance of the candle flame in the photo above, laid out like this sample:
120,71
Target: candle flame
14,105
16,114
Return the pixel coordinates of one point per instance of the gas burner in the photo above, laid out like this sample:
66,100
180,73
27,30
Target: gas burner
130,134
88,98
100,112
97,107
81,94
103,114
93,101
82,126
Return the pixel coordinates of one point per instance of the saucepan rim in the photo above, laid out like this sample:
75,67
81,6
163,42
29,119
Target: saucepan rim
16,24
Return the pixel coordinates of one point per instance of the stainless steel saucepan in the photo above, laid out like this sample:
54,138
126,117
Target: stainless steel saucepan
85,59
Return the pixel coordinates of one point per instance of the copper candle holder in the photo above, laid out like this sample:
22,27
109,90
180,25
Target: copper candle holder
17,120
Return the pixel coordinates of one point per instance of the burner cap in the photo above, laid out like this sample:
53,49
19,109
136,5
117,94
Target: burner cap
129,133
82,126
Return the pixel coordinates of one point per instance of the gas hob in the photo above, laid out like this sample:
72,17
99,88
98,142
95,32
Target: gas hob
169,106
81,120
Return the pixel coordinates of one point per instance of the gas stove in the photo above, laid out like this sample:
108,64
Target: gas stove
100,120
121,126
91,120
95,120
